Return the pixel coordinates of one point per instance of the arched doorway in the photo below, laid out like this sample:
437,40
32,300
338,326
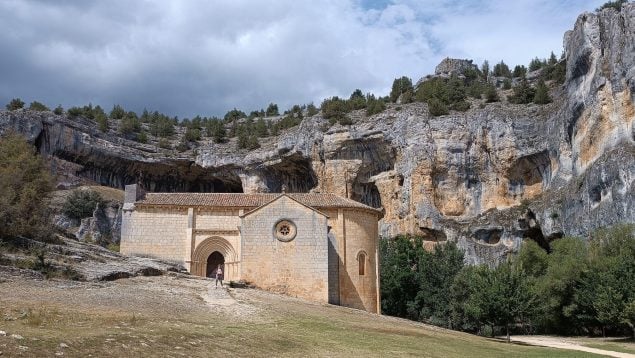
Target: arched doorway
215,259
203,253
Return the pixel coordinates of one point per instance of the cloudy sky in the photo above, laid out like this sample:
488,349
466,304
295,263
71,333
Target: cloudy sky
206,57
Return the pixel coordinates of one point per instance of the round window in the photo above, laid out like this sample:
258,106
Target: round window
284,230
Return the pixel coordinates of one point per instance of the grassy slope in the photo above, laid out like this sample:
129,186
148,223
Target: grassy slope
167,316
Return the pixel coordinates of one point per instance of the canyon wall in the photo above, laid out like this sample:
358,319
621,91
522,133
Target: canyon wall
486,179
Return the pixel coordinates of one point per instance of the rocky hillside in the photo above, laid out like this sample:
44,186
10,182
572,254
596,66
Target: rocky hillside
486,178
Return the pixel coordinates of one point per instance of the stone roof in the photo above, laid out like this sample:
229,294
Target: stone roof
314,200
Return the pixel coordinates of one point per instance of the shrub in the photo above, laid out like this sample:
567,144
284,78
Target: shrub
374,105
216,130
272,110
542,93
401,86
25,185
502,70
15,103
491,95
81,204
617,5
523,93
142,137
234,114
519,71
59,110
311,110
117,112
436,107
507,84
37,106
334,108
192,134
74,112
164,143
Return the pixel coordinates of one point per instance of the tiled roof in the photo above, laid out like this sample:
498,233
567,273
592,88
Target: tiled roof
314,200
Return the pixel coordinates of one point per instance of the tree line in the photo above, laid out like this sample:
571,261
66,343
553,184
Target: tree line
580,287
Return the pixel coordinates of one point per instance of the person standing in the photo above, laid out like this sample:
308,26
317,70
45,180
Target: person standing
219,276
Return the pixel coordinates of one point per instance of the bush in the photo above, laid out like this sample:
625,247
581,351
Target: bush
59,110
437,108
542,93
272,110
374,105
491,95
311,110
234,114
523,93
501,70
617,5
37,106
117,112
25,185
74,112
81,204
15,103
164,143
401,86
334,109
142,137
192,134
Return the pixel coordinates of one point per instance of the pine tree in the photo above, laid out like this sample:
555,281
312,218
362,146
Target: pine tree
542,93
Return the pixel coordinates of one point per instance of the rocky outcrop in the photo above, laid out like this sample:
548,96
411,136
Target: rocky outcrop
453,66
487,178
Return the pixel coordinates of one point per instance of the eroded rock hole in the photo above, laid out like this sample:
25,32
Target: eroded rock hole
488,235
435,235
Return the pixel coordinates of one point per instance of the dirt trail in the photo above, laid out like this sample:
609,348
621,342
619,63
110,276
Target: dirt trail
563,343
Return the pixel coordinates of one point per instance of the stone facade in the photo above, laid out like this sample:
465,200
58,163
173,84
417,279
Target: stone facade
320,247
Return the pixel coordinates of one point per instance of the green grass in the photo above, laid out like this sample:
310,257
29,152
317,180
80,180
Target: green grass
136,317
611,346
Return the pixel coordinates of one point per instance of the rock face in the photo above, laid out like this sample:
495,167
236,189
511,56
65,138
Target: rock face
486,179
453,66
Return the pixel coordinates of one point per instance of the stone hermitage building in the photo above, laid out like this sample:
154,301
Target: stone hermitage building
321,247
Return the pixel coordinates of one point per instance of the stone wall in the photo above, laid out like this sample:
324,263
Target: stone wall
155,232
360,291
298,267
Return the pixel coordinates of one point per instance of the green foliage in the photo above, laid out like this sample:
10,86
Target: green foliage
25,185
542,93
335,109
247,139
129,124
523,93
501,70
164,143
142,137
402,86
74,112
311,110
117,112
161,125
536,64
216,130
577,288
437,108
357,100
37,106
485,69
416,283
81,204
272,110
519,71
59,110
374,105
102,121
234,114
507,84
15,104
192,134
491,95
617,5
260,128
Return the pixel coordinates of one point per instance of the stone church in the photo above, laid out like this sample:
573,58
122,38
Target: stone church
321,247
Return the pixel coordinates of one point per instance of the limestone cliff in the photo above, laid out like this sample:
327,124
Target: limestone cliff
487,178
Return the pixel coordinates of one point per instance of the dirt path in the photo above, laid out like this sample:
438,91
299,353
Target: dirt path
563,343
